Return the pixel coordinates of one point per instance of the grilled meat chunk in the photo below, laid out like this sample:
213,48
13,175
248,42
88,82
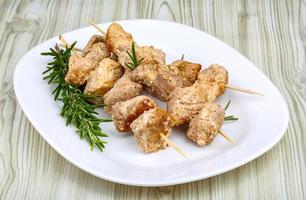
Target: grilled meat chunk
120,42
124,89
185,103
148,127
158,80
117,40
205,126
80,66
214,74
103,78
125,112
149,54
187,70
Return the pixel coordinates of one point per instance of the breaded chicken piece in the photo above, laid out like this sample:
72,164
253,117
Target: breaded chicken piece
148,127
187,70
158,80
205,126
214,73
117,40
125,112
80,66
124,89
185,103
103,78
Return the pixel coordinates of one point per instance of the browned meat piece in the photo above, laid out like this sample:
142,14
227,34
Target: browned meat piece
148,54
117,40
103,78
205,126
148,127
124,89
214,73
158,79
185,103
125,112
80,66
120,42
187,70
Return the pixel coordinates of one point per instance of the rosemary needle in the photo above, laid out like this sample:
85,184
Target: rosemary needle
132,65
76,109
231,117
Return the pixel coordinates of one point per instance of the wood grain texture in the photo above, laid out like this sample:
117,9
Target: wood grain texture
272,34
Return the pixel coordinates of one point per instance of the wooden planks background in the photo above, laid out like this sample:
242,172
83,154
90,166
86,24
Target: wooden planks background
272,34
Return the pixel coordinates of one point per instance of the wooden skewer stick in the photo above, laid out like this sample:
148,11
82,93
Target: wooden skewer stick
96,26
61,38
74,48
226,137
242,90
176,148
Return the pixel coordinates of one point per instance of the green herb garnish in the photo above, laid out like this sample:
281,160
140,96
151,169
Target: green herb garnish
231,117
182,57
76,109
132,65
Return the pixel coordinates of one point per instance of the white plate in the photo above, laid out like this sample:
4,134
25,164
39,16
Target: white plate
262,119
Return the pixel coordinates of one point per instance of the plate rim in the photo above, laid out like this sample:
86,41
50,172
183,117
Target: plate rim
132,182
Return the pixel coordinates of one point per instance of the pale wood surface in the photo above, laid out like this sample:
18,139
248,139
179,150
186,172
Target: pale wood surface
272,34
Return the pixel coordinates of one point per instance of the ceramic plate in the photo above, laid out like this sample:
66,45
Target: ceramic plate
262,119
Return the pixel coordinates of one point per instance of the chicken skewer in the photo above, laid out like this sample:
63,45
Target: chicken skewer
154,82
123,127
100,79
207,124
186,103
81,64
218,74
150,124
225,85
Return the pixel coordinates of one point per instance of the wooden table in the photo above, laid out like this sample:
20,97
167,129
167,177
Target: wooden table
272,34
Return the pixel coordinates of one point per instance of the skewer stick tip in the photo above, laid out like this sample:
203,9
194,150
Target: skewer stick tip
226,137
176,148
96,26
243,90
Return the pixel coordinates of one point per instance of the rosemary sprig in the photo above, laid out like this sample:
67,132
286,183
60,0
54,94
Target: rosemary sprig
231,117
132,65
76,109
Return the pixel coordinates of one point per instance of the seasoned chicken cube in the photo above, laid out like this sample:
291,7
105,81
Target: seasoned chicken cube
120,42
205,126
80,66
214,73
103,78
158,80
124,89
185,103
125,112
148,127
117,40
187,70
147,55
79,69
